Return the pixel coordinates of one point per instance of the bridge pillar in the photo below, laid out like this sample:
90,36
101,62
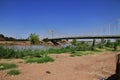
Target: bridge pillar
93,44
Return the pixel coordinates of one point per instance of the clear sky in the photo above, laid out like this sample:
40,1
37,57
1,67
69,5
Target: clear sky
19,18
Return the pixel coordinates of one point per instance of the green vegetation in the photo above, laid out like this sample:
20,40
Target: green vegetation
78,48
74,42
102,43
34,39
83,48
109,43
4,38
61,50
13,72
39,60
45,40
4,66
26,54
11,53
80,53
116,44
96,51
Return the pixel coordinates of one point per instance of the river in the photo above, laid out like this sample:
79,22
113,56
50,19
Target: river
33,47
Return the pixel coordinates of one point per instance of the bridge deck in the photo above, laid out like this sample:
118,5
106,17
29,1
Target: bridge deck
87,37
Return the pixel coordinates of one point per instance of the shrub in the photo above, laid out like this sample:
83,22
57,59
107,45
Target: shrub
39,53
10,53
13,72
80,53
4,66
45,40
82,46
118,41
74,42
108,43
102,44
34,39
115,46
61,50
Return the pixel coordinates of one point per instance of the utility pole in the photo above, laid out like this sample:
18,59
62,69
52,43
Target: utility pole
47,35
50,32
118,26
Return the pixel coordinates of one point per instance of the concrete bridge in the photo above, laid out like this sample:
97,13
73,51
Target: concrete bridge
110,31
55,40
87,37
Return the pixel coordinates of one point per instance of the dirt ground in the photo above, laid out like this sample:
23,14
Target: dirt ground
88,67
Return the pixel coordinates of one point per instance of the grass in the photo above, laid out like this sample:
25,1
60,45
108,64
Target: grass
39,56
96,51
39,60
4,66
80,53
13,72
13,53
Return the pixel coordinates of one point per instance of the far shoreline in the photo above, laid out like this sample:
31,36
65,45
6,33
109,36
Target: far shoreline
27,43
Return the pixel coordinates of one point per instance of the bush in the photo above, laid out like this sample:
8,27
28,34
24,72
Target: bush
118,42
82,46
39,53
80,53
4,66
34,39
13,72
74,42
115,46
45,40
11,53
61,50
102,44
40,60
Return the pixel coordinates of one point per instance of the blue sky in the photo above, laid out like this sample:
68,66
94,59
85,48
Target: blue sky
19,18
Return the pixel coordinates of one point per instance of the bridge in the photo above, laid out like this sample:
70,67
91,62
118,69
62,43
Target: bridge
110,31
88,37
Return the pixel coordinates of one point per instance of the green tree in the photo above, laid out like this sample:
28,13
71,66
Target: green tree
34,39
108,43
74,42
102,44
83,46
45,40
116,44
1,35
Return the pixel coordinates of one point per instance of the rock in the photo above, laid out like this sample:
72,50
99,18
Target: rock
48,72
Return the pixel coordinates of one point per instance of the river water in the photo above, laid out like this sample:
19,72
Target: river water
33,47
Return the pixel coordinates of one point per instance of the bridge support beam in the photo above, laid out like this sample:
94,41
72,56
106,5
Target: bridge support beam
93,45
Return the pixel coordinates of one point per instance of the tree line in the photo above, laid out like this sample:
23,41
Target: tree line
4,38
